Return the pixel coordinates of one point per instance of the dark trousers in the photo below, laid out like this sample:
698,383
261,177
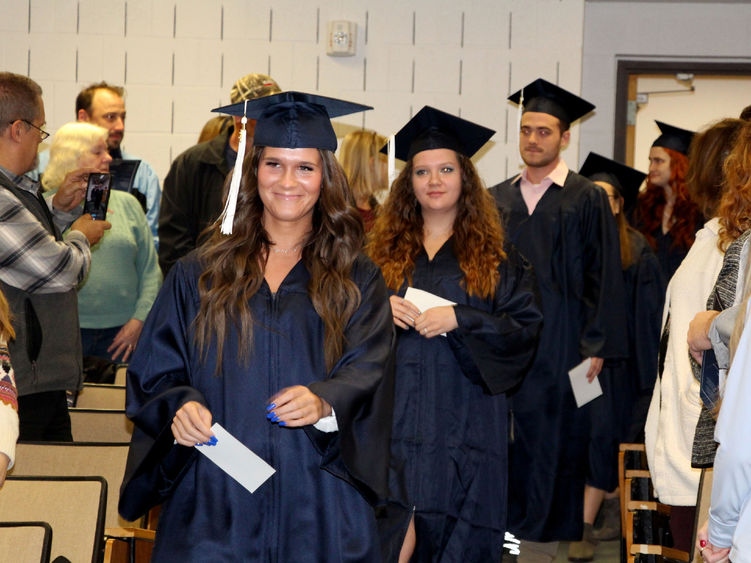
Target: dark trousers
43,417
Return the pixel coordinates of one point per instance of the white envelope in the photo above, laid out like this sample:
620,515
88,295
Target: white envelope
237,460
425,300
584,391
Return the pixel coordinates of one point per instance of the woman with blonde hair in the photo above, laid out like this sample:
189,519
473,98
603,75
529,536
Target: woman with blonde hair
8,394
124,278
466,306
365,168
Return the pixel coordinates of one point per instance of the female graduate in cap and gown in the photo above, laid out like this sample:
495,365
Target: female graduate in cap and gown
619,414
665,213
280,330
439,232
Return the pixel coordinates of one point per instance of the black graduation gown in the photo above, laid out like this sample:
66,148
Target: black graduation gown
450,413
572,243
316,506
627,384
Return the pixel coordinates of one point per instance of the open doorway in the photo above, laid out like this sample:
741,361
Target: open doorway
681,93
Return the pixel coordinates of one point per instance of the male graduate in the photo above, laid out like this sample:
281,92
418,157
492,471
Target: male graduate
562,223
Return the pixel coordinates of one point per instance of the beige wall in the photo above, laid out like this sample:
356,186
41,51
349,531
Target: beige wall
178,59
714,98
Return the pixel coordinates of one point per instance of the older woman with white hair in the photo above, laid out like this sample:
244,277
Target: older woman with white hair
115,298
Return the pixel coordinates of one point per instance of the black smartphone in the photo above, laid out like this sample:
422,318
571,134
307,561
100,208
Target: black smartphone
97,195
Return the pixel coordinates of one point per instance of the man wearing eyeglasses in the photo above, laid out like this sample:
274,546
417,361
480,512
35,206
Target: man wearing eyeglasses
39,268
103,104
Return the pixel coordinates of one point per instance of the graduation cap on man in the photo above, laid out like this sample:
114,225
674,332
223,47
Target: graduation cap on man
673,138
623,178
289,120
544,97
431,128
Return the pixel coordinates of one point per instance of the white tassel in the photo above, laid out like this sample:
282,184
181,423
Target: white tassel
392,160
228,215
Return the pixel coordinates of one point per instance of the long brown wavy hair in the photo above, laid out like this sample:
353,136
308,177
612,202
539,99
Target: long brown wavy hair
651,204
735,206
397,236
234,264
709,149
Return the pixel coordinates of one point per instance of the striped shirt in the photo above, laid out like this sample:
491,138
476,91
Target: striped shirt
31,259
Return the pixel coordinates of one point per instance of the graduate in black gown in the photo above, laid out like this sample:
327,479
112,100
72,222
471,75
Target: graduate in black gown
440,232
626,383
281,332
561,222
665,213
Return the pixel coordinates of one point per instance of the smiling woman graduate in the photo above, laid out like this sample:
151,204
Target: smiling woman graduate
281,332
439,231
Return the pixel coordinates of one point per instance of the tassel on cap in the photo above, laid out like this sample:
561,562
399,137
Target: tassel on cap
228,215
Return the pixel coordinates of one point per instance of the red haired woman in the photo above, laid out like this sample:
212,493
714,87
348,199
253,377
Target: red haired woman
459,351
665,213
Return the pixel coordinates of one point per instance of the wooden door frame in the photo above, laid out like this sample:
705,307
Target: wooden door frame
627,68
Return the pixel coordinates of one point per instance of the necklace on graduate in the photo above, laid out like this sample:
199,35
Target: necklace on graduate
286,251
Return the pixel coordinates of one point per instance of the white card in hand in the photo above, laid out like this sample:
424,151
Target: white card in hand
236,460
425,300
584,391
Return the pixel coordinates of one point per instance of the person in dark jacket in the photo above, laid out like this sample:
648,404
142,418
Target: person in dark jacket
194,186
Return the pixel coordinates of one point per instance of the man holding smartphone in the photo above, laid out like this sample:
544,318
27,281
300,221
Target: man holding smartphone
39,268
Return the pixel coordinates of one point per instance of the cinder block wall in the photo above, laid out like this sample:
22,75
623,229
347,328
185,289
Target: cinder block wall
179,58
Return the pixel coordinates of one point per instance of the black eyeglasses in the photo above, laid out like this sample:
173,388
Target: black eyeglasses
42,132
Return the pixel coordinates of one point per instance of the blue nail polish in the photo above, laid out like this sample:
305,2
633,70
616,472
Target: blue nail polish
270,415
275,419
199,444
213,441
271,407
282,423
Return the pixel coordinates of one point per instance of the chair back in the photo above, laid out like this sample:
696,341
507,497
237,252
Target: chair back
101,396
73,507
25,542
100,425
78,459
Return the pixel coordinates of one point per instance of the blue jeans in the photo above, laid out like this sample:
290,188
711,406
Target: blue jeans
95,341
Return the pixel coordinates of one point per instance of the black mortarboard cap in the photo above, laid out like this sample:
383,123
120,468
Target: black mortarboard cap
625,179
293,120
673,138
545,97
432,128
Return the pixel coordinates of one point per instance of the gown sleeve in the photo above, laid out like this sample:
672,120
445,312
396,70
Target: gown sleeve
496,347
158,386
360,389
647,305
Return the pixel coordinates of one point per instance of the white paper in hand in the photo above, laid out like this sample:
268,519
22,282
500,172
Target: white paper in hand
584,391
425,300
236,460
